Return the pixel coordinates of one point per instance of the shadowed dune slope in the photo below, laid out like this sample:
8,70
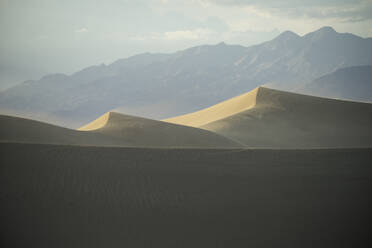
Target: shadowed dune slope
70,196
151,133
15,129
111,129
272,118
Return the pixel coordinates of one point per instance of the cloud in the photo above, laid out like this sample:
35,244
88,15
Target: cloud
179,35
184,34
215,23
284,3
346,10
82,30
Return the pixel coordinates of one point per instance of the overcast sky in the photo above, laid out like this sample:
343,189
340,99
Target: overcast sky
47,36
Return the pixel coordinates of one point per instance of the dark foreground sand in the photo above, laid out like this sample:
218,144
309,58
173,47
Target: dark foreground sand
71,196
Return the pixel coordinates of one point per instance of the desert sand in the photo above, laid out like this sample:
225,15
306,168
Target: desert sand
113,129
271,118
200,181
144,132
219,111
71,196
261,118
16,129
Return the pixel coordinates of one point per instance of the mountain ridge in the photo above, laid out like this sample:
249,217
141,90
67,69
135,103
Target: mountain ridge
350,83
158,86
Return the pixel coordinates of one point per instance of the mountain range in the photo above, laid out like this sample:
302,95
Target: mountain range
352,83
163,85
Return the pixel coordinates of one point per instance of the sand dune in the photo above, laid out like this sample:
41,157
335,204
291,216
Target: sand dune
219,111
76,190
15,129
69,196
112,129
139,131
260,118
272,118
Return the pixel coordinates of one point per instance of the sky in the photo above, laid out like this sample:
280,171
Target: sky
40,37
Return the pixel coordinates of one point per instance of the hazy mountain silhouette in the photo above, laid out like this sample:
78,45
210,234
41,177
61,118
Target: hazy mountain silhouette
353,83
164,85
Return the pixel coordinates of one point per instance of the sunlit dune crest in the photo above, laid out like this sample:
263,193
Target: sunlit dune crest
146,132
271,118
112,129
218,111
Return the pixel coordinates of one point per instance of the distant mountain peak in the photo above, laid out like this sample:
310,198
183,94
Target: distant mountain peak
288,33
221,44
326,29
322,33
287,36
